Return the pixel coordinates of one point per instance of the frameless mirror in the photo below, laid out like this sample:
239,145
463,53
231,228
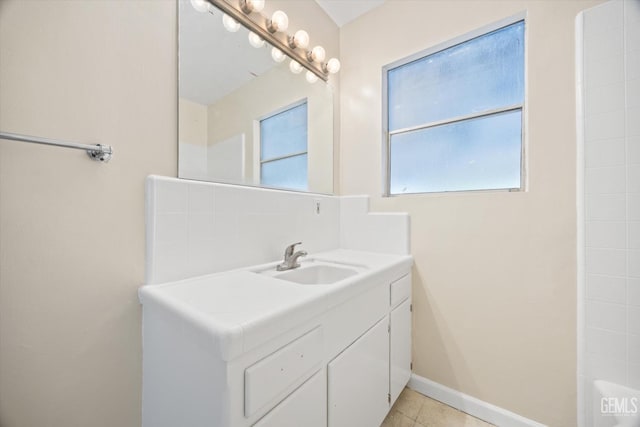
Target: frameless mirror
245,118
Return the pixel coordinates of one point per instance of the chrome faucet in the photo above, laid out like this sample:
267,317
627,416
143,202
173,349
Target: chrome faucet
291,258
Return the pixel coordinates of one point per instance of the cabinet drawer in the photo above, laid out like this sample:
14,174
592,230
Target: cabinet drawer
400,290
307,406
275,376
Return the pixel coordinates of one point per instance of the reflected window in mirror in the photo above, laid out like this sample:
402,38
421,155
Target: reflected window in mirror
283,148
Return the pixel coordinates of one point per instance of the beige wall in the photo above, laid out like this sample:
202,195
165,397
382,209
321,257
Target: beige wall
495,278
72,230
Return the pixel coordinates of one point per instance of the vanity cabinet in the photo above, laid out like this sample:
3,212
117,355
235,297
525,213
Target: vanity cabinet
343,366
358,380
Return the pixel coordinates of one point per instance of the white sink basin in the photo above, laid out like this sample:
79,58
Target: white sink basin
314,272
319,274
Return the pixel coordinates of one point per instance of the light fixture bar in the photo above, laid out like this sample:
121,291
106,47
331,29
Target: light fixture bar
261,30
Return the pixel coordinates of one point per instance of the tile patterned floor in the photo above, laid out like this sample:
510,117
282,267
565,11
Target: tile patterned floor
415,410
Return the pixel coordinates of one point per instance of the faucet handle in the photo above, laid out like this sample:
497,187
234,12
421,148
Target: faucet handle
290,249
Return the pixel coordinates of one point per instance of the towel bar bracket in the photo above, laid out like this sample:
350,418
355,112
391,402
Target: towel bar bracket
102,153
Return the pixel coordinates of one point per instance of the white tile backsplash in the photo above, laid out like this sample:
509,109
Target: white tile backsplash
171,228
199,256
171,197
376,232
200,198
169,261
195,228
201,226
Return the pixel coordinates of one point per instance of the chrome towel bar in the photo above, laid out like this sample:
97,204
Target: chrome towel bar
97,152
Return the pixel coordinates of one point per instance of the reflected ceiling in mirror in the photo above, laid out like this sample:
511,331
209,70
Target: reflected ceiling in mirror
245,118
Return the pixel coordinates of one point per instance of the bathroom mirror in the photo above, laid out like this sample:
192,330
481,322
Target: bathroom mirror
245,118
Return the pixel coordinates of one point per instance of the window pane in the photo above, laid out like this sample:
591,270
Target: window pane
284,134
477,154
290,173
478,75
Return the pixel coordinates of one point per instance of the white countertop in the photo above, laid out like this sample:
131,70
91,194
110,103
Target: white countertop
242,309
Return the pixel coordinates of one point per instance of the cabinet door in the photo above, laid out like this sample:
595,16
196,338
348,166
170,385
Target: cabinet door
358,380
307,406
400,348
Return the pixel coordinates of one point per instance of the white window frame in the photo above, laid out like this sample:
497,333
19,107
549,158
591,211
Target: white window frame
386,135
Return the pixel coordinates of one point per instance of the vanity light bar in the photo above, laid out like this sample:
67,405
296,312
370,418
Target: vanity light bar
262,28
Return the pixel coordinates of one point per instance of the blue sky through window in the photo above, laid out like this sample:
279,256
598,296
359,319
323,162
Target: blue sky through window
472,78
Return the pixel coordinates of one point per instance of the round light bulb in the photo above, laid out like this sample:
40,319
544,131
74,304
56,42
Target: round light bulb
279,21
230,24
255,40
295,67
277,55
311,78
301,39
333,65
256,5
317,54
200,5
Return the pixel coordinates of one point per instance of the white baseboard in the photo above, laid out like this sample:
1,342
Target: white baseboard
468,404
